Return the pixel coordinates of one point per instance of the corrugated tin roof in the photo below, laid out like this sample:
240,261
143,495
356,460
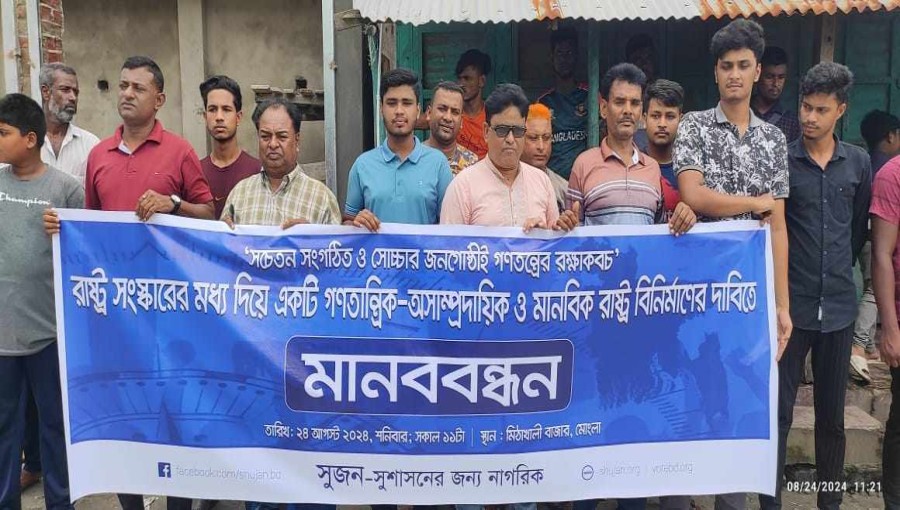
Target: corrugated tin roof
745,8
419,12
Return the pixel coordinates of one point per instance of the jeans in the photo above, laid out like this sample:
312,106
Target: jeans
867,313
831,370
40,373
136,502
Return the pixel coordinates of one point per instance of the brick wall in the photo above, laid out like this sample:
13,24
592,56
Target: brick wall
51,31
51,14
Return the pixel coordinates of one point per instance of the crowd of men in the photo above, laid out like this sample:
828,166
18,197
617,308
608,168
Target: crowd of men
499,160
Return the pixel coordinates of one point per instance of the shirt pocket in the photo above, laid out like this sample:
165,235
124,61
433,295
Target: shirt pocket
840,201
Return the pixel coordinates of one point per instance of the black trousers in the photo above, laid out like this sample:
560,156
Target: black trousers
136,502
831,370
890,467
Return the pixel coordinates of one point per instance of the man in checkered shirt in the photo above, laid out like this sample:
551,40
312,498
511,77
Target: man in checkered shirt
281,194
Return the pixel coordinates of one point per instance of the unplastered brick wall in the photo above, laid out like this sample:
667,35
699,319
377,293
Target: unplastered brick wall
51,14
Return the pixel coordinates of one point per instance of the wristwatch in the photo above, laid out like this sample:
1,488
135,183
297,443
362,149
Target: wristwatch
177,201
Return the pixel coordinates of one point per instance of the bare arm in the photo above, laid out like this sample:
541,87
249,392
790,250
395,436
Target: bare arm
152,202
200,211
718,205
884,241
780,262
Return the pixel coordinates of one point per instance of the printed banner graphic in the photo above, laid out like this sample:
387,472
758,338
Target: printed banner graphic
417,365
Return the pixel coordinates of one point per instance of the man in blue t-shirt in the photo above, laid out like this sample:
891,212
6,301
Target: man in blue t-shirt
402,180
568,101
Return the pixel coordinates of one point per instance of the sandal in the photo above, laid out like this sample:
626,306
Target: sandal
859,369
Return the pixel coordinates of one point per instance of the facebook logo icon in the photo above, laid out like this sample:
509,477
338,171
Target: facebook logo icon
164,469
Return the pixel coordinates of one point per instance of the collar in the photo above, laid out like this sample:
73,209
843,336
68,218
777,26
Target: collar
797,150
72,131
493,168
775,108
388,155
636,157
155,136
722,119
295,174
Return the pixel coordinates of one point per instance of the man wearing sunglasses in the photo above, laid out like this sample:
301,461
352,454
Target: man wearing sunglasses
499,190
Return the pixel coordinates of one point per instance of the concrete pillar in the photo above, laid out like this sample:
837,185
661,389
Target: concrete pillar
192,66
351,120
9,73
329,65
31,84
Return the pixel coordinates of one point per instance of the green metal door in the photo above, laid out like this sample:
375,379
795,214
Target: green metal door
869,44
433,49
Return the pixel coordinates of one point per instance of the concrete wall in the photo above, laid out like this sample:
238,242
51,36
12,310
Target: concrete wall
3,57
267,42
100,35
262,42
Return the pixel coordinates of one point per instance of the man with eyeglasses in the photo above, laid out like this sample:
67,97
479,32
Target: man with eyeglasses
500,190
539,149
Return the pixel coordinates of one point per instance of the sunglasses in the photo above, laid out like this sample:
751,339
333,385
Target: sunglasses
503,131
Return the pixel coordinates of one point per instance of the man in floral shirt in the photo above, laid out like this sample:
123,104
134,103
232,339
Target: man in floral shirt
732,165
444,122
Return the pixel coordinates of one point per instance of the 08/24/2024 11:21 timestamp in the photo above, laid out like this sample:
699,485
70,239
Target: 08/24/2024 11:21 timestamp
824,486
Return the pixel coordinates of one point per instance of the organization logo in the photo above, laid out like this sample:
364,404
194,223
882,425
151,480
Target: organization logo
587,472
164,469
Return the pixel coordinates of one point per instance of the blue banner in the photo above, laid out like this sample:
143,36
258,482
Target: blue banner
417,346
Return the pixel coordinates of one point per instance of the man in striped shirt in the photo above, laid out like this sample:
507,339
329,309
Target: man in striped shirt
617,184
281,194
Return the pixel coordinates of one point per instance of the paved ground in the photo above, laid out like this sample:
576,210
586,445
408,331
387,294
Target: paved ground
33,499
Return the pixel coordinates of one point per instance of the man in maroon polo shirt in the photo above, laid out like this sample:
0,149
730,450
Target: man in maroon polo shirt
227,164
145,169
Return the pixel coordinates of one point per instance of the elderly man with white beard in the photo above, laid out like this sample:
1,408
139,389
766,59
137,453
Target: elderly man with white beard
66,145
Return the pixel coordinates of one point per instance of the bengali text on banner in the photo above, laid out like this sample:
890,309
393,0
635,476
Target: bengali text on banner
417,365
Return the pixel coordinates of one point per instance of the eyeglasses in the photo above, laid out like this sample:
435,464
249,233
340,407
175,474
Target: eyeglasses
503,131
